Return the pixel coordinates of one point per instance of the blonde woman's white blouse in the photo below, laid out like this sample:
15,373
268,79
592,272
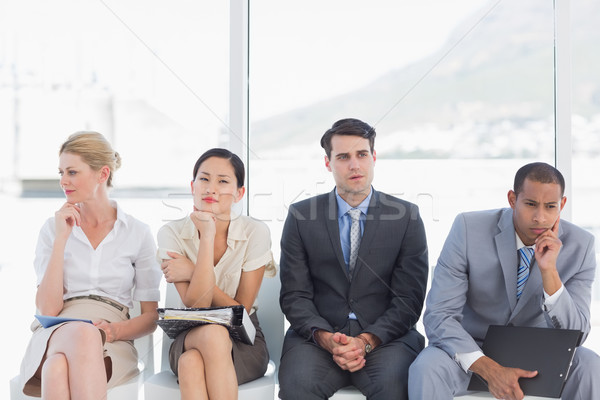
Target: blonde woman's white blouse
123,267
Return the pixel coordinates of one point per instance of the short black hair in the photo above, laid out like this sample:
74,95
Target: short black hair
236,163
538,172
350,127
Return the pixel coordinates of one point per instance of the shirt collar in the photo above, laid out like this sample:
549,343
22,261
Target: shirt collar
520,243
122,219
235,233
343,207
121,216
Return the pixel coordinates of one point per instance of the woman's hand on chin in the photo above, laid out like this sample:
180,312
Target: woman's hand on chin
205,222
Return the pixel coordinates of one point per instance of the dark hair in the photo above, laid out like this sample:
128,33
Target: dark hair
350,127
538,172
236,163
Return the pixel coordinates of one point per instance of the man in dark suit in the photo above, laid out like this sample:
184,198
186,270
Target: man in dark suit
352,287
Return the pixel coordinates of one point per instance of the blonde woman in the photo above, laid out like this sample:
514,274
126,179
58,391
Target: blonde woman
92,260
216,259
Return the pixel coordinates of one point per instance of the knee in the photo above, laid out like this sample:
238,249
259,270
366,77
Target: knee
293,386
427,366
55,367
210,340
298,381
418,368
76,338
190,363
586,364
83,335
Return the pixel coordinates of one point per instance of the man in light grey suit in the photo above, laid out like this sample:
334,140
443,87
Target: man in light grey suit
475,285
352,318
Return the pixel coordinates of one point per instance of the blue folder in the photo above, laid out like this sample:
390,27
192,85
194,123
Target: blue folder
48,321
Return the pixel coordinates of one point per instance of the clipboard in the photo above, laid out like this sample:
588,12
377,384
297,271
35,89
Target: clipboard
549,351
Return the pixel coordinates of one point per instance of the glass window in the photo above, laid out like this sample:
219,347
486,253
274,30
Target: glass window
460,93
586,121
152,76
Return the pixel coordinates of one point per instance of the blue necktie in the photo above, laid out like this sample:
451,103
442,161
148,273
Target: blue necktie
525,257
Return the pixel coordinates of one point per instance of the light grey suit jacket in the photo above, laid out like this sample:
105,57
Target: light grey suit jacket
474,283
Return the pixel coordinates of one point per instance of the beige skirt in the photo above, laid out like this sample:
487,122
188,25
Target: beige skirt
123,357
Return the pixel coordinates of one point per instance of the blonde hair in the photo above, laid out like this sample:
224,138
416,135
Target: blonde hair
95,151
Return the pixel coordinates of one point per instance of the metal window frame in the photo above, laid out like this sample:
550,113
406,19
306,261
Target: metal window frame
238,85
562,97
239,98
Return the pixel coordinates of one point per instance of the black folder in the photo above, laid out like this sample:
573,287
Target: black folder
548,351
235,318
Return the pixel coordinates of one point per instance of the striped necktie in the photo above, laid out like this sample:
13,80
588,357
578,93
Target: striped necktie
354,213
525,257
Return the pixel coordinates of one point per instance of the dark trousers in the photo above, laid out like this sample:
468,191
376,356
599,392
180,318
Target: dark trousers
308,372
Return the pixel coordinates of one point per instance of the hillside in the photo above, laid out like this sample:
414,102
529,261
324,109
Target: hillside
490,84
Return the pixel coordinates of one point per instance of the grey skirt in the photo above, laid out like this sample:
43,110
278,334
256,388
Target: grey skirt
123,357
250,361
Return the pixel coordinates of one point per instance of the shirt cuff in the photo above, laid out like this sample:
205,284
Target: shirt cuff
312,336
550,301
465,360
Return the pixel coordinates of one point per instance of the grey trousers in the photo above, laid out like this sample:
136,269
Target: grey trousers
436,376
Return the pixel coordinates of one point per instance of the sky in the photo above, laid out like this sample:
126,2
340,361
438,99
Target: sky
174,58
301,52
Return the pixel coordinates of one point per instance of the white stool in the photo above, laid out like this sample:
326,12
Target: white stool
487,396
348,393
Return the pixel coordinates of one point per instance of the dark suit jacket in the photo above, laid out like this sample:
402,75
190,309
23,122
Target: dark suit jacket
390,277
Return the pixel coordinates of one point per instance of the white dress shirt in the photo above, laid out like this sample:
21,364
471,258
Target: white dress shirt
123,267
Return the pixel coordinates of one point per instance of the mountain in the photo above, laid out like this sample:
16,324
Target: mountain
489,86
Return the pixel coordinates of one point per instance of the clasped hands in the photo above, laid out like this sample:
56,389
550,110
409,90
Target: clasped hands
348,351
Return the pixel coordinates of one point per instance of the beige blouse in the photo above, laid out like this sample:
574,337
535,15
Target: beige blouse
248,248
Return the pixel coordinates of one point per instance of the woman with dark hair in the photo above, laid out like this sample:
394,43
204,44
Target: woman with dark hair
216,259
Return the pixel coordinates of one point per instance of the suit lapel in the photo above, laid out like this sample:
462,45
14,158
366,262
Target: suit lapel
333,228
534,281
534,285
371,224
507,254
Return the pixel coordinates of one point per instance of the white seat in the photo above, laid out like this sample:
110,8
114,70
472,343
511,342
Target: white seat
163,385
348,393
487,396
129,390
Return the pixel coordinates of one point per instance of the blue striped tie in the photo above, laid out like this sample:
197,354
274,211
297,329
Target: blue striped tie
525,256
